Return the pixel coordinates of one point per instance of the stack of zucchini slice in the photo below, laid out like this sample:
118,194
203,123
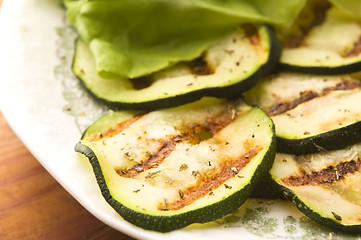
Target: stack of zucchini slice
318,119
176,165
318,128
188,157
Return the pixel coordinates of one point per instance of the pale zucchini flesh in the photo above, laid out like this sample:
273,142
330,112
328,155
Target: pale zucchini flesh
325,186
166,169
226,69
311,113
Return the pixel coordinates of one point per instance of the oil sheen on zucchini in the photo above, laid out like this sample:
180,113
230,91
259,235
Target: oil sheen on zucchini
232,66
324,186
311,113
166,169
324,40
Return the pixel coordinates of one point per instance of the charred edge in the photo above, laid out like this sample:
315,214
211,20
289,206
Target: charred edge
218,122
283,107
344,85
200,67
141,82
355,51
326,175
115,130
223,119
212,125
155,159
312,16
252,33
208,181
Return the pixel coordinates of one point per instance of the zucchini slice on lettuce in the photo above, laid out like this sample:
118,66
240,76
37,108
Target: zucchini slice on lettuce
311,113
201,159
324,186
325,39
134,38
226,69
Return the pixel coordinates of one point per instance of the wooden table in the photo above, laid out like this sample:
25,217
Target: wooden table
33,205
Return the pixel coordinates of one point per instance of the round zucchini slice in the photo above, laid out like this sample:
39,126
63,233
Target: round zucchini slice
324,40
324,186
311,113
166,169
228,68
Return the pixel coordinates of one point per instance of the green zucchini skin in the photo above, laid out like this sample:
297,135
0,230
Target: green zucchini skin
168,222
227,91
328,141
266,188
324,70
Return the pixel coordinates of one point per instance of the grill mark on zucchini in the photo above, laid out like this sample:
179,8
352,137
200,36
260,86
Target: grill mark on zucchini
312,16
200,67
355,51
210,125
305,96
252,34
217,123
155,159
283,107
254,38
344,85
326,175
141,82
115,130
210,180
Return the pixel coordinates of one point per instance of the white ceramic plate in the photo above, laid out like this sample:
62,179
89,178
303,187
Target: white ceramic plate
47,108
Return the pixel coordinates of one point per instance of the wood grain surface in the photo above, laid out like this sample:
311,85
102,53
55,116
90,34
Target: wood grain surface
33,205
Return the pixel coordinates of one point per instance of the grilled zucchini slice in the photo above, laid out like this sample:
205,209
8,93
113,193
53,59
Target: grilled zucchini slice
166,169
324,40
311,113
324,186
230,67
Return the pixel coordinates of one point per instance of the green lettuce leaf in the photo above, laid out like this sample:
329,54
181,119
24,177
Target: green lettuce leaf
351,7
132,38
